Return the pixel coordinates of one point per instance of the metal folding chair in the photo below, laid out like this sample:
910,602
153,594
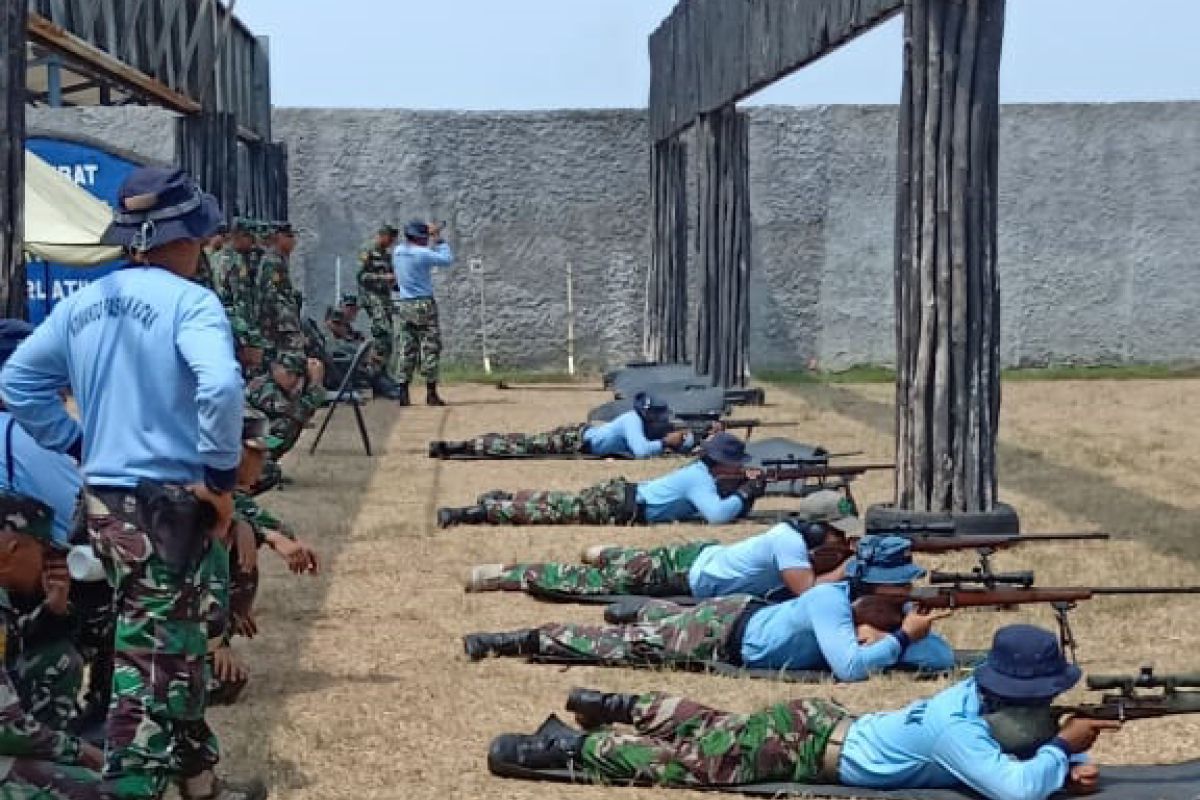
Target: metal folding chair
347,394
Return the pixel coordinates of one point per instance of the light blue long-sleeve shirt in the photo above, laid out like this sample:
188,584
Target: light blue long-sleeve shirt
816,631
686,494
626,436
149,357
39,473
943,742
414,268
751,566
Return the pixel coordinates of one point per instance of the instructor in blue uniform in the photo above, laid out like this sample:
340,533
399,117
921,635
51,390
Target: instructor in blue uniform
417,336
149,357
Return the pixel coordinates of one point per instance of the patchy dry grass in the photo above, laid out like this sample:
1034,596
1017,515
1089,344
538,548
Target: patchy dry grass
360,688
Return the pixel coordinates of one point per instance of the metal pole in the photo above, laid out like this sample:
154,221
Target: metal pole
570,320
476,266
337,282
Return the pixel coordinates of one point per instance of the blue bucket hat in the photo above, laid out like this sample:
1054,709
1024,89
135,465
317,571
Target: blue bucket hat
650,407
157,206
884,560
1026,663
725,448
416,230
12,333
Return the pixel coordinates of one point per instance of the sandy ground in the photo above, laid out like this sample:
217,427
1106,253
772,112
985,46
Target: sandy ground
360,689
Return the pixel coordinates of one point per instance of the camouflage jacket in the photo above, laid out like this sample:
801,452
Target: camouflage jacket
278,304
246,509
288,413
20,734
375,272
240,297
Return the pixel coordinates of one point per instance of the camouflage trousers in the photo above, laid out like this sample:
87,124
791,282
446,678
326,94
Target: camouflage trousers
676,636
679,742
44,780
567,440
48,679
416,339
603,504
657,572
156,728
379,311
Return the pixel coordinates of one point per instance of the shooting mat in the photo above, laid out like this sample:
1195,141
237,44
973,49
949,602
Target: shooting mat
703,401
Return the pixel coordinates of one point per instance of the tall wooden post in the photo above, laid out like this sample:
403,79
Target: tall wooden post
207,147
665,334
723,235
947,293
13,15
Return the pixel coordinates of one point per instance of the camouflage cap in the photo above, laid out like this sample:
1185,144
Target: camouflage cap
23,514
245,225
255,428
292,362
350,301
246,335
281,226
388,230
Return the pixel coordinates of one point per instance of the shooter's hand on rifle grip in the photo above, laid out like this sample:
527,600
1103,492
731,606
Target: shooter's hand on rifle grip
754,487
919,622
1080,733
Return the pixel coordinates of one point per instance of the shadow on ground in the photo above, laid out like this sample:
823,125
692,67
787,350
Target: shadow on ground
1079,493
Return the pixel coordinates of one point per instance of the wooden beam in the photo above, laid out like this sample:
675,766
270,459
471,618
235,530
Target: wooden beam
13,71
54,37
710,54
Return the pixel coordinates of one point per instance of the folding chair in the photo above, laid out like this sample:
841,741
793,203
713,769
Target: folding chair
346,393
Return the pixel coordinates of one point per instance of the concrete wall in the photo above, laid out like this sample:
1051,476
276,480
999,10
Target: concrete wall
1099,224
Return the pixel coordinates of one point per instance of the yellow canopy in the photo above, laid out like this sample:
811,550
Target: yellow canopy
63,223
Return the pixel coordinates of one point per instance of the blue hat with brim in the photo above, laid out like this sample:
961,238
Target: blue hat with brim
157,206
1026,663
725,448
416,230
884,560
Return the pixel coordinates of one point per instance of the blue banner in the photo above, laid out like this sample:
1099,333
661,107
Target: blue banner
100,173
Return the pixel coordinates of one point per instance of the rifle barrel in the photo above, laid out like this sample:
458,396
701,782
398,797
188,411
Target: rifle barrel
934,543
1144,589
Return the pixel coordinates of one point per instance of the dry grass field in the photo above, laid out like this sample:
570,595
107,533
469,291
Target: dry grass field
360,689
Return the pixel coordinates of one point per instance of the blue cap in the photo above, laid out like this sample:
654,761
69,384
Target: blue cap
725,448
884,560
157,206
1026,663
416,230
12,333
647,404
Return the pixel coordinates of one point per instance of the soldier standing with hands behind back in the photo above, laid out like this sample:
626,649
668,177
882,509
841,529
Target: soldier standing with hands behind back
376,278
417,337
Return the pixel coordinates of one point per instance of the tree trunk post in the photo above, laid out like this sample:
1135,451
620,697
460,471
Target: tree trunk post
947,292
13,17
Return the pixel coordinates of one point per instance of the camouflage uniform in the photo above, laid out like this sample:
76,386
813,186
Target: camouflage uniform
278,306
38,687
565,440
661,571
417,339
679,742
376,277
605,503
288,414
241,285
156,728
669,635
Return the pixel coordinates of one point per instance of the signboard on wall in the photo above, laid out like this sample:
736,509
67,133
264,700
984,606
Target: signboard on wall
101,174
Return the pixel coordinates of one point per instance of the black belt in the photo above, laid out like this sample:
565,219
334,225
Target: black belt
733,642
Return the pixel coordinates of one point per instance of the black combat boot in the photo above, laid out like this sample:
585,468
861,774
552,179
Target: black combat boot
471,515
437,450
479,646
494,496
595,709
401,395
624,612
384,386
515,754
431,395
451,449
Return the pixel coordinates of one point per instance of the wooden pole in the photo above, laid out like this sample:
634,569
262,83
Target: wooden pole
947,294
665,327
13,16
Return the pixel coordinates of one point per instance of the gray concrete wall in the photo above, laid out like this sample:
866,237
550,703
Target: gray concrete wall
1099,224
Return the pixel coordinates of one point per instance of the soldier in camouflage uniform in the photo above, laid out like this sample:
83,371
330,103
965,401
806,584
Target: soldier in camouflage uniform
278,301
289,396
417,332
251,348
667,634
39,760
376,277
236,272
680,742
608,503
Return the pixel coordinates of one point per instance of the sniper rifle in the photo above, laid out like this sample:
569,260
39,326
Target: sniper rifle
834,550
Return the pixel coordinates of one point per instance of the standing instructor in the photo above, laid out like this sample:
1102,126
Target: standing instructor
149,357
414,311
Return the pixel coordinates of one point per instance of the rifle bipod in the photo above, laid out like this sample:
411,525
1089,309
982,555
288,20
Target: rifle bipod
1066,636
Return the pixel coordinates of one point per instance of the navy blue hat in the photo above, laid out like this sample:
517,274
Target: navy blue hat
725,448
157,206
645,403
416,230
1025,663
12,333
884,560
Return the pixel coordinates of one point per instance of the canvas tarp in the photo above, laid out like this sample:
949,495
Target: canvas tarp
63,223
